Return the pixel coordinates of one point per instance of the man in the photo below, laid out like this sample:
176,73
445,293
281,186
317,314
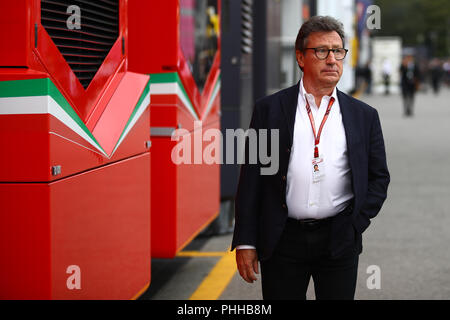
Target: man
409,73
387,69
298,223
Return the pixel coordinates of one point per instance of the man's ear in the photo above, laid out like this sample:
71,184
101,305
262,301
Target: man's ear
300,58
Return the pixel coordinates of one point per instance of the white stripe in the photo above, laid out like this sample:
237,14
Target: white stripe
213,97
47,105
44,105
173,88
24,105
79,144
164,88
60,114
143,106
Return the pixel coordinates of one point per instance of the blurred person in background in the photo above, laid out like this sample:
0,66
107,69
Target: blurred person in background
368,78
387,70
409,74
436,73
446,68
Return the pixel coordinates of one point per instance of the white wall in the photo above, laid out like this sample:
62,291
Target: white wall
344,11
291,21
386,48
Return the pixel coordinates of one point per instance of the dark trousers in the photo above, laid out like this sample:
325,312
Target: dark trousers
408,100
302,253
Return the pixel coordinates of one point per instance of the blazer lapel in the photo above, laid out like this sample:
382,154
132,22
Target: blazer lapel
289,102
289,106
349,120
352,134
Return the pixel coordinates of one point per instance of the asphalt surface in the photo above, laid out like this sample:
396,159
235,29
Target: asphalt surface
407,242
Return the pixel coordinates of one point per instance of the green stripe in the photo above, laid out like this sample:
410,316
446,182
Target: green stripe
62,102
219,79
42,87
45,87
23,88
172,77
143,95
136,108
169,78
164,77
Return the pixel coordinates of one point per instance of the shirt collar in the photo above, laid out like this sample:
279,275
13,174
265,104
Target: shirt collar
302,93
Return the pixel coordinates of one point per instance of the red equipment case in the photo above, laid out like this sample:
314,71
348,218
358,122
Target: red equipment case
75,157
185,197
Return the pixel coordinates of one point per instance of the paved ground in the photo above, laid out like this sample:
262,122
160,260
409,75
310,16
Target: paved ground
409,239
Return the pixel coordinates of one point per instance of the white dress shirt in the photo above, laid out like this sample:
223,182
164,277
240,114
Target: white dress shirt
306,199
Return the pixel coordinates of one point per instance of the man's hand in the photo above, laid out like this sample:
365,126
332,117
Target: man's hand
247,264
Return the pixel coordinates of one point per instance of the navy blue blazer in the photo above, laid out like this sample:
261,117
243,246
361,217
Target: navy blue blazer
260,204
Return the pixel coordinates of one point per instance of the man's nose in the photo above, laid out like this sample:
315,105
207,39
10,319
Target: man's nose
331,58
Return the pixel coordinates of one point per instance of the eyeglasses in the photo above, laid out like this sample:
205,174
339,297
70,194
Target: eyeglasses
322,53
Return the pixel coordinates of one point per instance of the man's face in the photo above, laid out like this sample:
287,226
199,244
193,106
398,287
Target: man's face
322,72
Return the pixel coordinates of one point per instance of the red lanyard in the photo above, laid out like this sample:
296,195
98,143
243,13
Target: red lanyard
311,119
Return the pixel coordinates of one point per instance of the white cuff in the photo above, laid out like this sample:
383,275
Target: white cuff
244,246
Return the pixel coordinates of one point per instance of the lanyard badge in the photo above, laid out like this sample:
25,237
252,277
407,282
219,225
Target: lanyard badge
318,169
318,163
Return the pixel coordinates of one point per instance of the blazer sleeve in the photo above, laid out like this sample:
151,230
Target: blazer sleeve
378,174
247,200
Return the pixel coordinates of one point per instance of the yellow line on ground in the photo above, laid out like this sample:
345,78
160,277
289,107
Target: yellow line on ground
200,254
196,233
137,295
217,280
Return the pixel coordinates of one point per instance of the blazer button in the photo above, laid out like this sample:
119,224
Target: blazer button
284,178
284,206
288,150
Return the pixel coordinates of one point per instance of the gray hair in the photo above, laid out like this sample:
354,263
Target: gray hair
318,24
